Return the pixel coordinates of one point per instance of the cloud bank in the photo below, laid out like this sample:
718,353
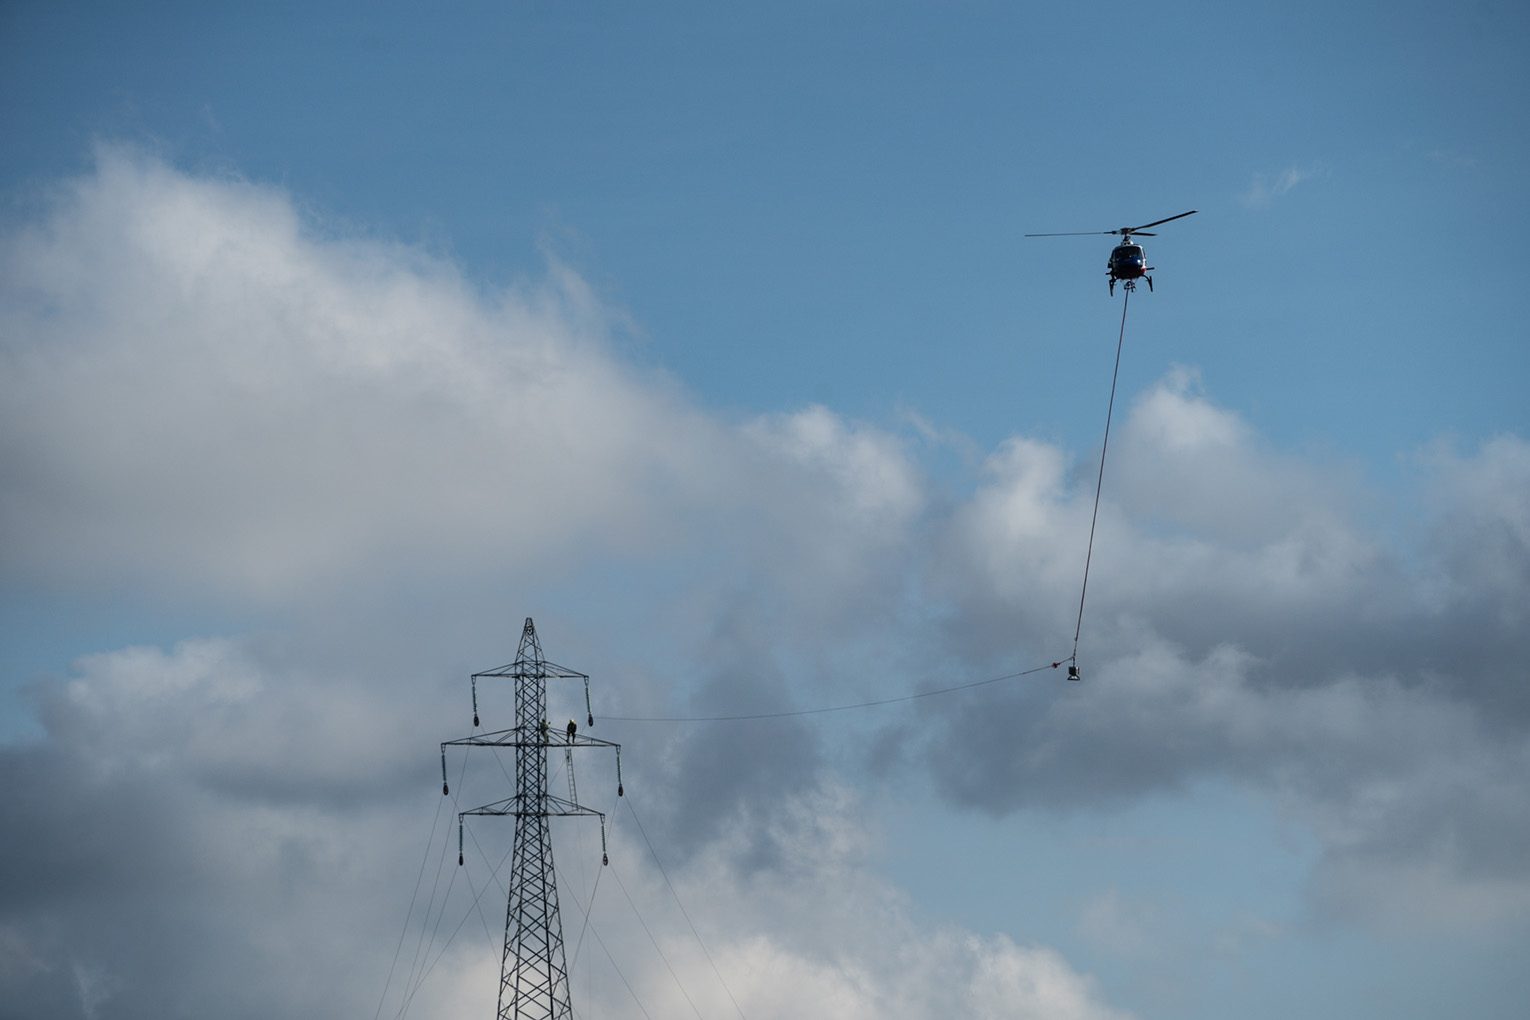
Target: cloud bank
1246,624
207,399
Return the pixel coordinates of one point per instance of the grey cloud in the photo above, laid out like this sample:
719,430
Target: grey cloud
209,396
1242,623
183,842
136,887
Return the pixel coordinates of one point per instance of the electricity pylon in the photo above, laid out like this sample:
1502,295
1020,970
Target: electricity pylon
533,976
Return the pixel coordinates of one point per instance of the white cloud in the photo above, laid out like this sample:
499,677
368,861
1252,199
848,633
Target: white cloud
205,395
1265,188
1118,925
201,390
825,930
873,477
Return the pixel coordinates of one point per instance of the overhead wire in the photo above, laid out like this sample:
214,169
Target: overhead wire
477,898
494,871
430,968
612,960
667,965
419,880
410,985
739,717
786,714
683,912
586,908
1099,482
1072,659
579,942
589,926
424,964
422,947
834,708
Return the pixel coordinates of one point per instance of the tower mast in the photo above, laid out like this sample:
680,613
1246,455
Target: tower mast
533,980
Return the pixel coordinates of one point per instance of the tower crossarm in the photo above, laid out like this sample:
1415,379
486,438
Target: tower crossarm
533,670
512,738
549,738
550,807
530,667
553,807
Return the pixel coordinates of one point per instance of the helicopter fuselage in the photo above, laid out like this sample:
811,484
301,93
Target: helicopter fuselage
1128,263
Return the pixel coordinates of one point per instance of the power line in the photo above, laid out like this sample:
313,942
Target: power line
1099,483
413,898
833,708
683,912
1072,659
649,932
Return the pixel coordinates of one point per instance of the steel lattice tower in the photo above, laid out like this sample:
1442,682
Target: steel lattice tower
533,979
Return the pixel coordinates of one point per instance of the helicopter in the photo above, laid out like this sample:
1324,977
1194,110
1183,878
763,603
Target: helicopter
1128,261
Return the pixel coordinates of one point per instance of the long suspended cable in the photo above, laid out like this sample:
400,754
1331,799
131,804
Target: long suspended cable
573,962
423,966
409,1003
419,879
614,966
588,926
834,708
588,910
410,986
494,877
579,942
683,912
1099,483
478,896
649,931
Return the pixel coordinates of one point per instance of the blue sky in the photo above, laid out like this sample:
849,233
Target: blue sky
338,341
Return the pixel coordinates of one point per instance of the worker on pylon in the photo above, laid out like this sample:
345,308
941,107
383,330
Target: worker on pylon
572,726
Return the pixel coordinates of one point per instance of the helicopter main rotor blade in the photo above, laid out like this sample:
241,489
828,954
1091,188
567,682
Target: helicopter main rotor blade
1122,231
1155,223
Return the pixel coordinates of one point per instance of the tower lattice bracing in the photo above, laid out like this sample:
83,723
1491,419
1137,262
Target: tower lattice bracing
533,981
